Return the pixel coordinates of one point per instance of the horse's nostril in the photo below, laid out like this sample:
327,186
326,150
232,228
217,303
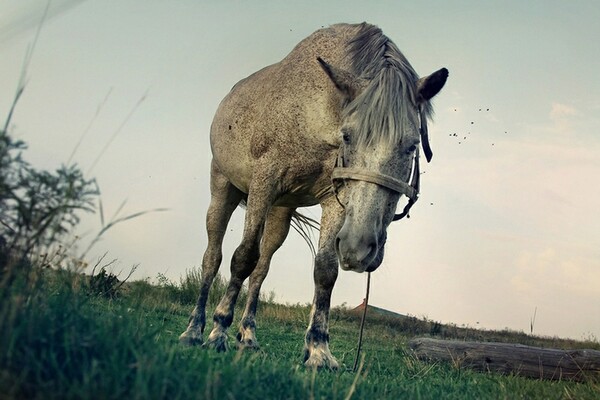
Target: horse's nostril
371,253
363,254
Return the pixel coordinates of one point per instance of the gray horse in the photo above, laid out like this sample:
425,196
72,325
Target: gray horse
338,123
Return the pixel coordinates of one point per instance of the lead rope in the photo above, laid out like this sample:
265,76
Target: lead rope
362,323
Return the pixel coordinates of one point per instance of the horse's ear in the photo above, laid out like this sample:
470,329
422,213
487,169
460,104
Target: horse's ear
429,86
345,81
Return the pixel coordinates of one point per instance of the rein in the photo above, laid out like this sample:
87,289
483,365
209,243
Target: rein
362,323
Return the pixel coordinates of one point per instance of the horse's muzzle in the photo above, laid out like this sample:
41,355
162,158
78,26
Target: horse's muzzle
356,252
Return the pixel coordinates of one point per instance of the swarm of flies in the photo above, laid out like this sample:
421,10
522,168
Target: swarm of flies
461,138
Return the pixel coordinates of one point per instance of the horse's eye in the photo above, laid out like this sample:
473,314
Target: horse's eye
412,148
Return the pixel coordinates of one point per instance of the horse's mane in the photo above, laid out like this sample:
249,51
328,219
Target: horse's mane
384,107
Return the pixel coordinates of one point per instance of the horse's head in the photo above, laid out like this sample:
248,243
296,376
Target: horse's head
379,136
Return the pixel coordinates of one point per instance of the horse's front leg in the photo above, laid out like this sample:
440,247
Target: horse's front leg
316,346
224,199
244,260
276,230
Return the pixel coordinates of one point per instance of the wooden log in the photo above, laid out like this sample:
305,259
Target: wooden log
517,359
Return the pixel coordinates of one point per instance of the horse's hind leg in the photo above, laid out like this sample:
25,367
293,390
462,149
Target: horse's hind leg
224,199
260,199
276,230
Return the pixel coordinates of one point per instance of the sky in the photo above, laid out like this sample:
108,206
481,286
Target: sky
507,226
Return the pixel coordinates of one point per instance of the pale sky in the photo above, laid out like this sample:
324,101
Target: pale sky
508,218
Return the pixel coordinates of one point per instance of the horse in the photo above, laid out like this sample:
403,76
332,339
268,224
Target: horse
337,122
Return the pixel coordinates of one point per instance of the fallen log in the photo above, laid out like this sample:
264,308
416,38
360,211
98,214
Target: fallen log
517,359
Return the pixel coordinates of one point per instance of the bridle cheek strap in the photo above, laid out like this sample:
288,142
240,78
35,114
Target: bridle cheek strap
415,185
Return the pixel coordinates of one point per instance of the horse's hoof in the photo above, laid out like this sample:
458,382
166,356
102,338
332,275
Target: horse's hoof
248,344
217,341
247,340
329,363
189,338
321,359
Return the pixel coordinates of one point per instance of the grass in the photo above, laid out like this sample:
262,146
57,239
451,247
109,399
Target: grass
60,339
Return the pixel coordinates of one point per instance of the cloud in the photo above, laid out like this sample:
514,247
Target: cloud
562,111
563,118
552,270
563,123
533,270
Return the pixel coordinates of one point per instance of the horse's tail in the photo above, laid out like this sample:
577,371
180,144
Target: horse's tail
304,226
301,224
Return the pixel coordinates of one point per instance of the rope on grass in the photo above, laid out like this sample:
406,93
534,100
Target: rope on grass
362,323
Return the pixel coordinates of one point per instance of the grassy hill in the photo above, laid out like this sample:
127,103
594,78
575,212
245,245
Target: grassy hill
67,336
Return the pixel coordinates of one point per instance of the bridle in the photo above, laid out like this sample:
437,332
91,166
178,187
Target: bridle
341,173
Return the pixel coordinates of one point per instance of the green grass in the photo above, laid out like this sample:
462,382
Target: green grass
60,339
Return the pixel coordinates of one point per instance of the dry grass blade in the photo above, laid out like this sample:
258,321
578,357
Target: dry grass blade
115,221
356,377
119,129
101,210
22,79
131,271
99,261
17,23
87,129
131,216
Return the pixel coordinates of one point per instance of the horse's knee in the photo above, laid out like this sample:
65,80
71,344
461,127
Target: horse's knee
211,261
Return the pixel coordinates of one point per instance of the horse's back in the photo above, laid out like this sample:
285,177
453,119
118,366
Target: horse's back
286,114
